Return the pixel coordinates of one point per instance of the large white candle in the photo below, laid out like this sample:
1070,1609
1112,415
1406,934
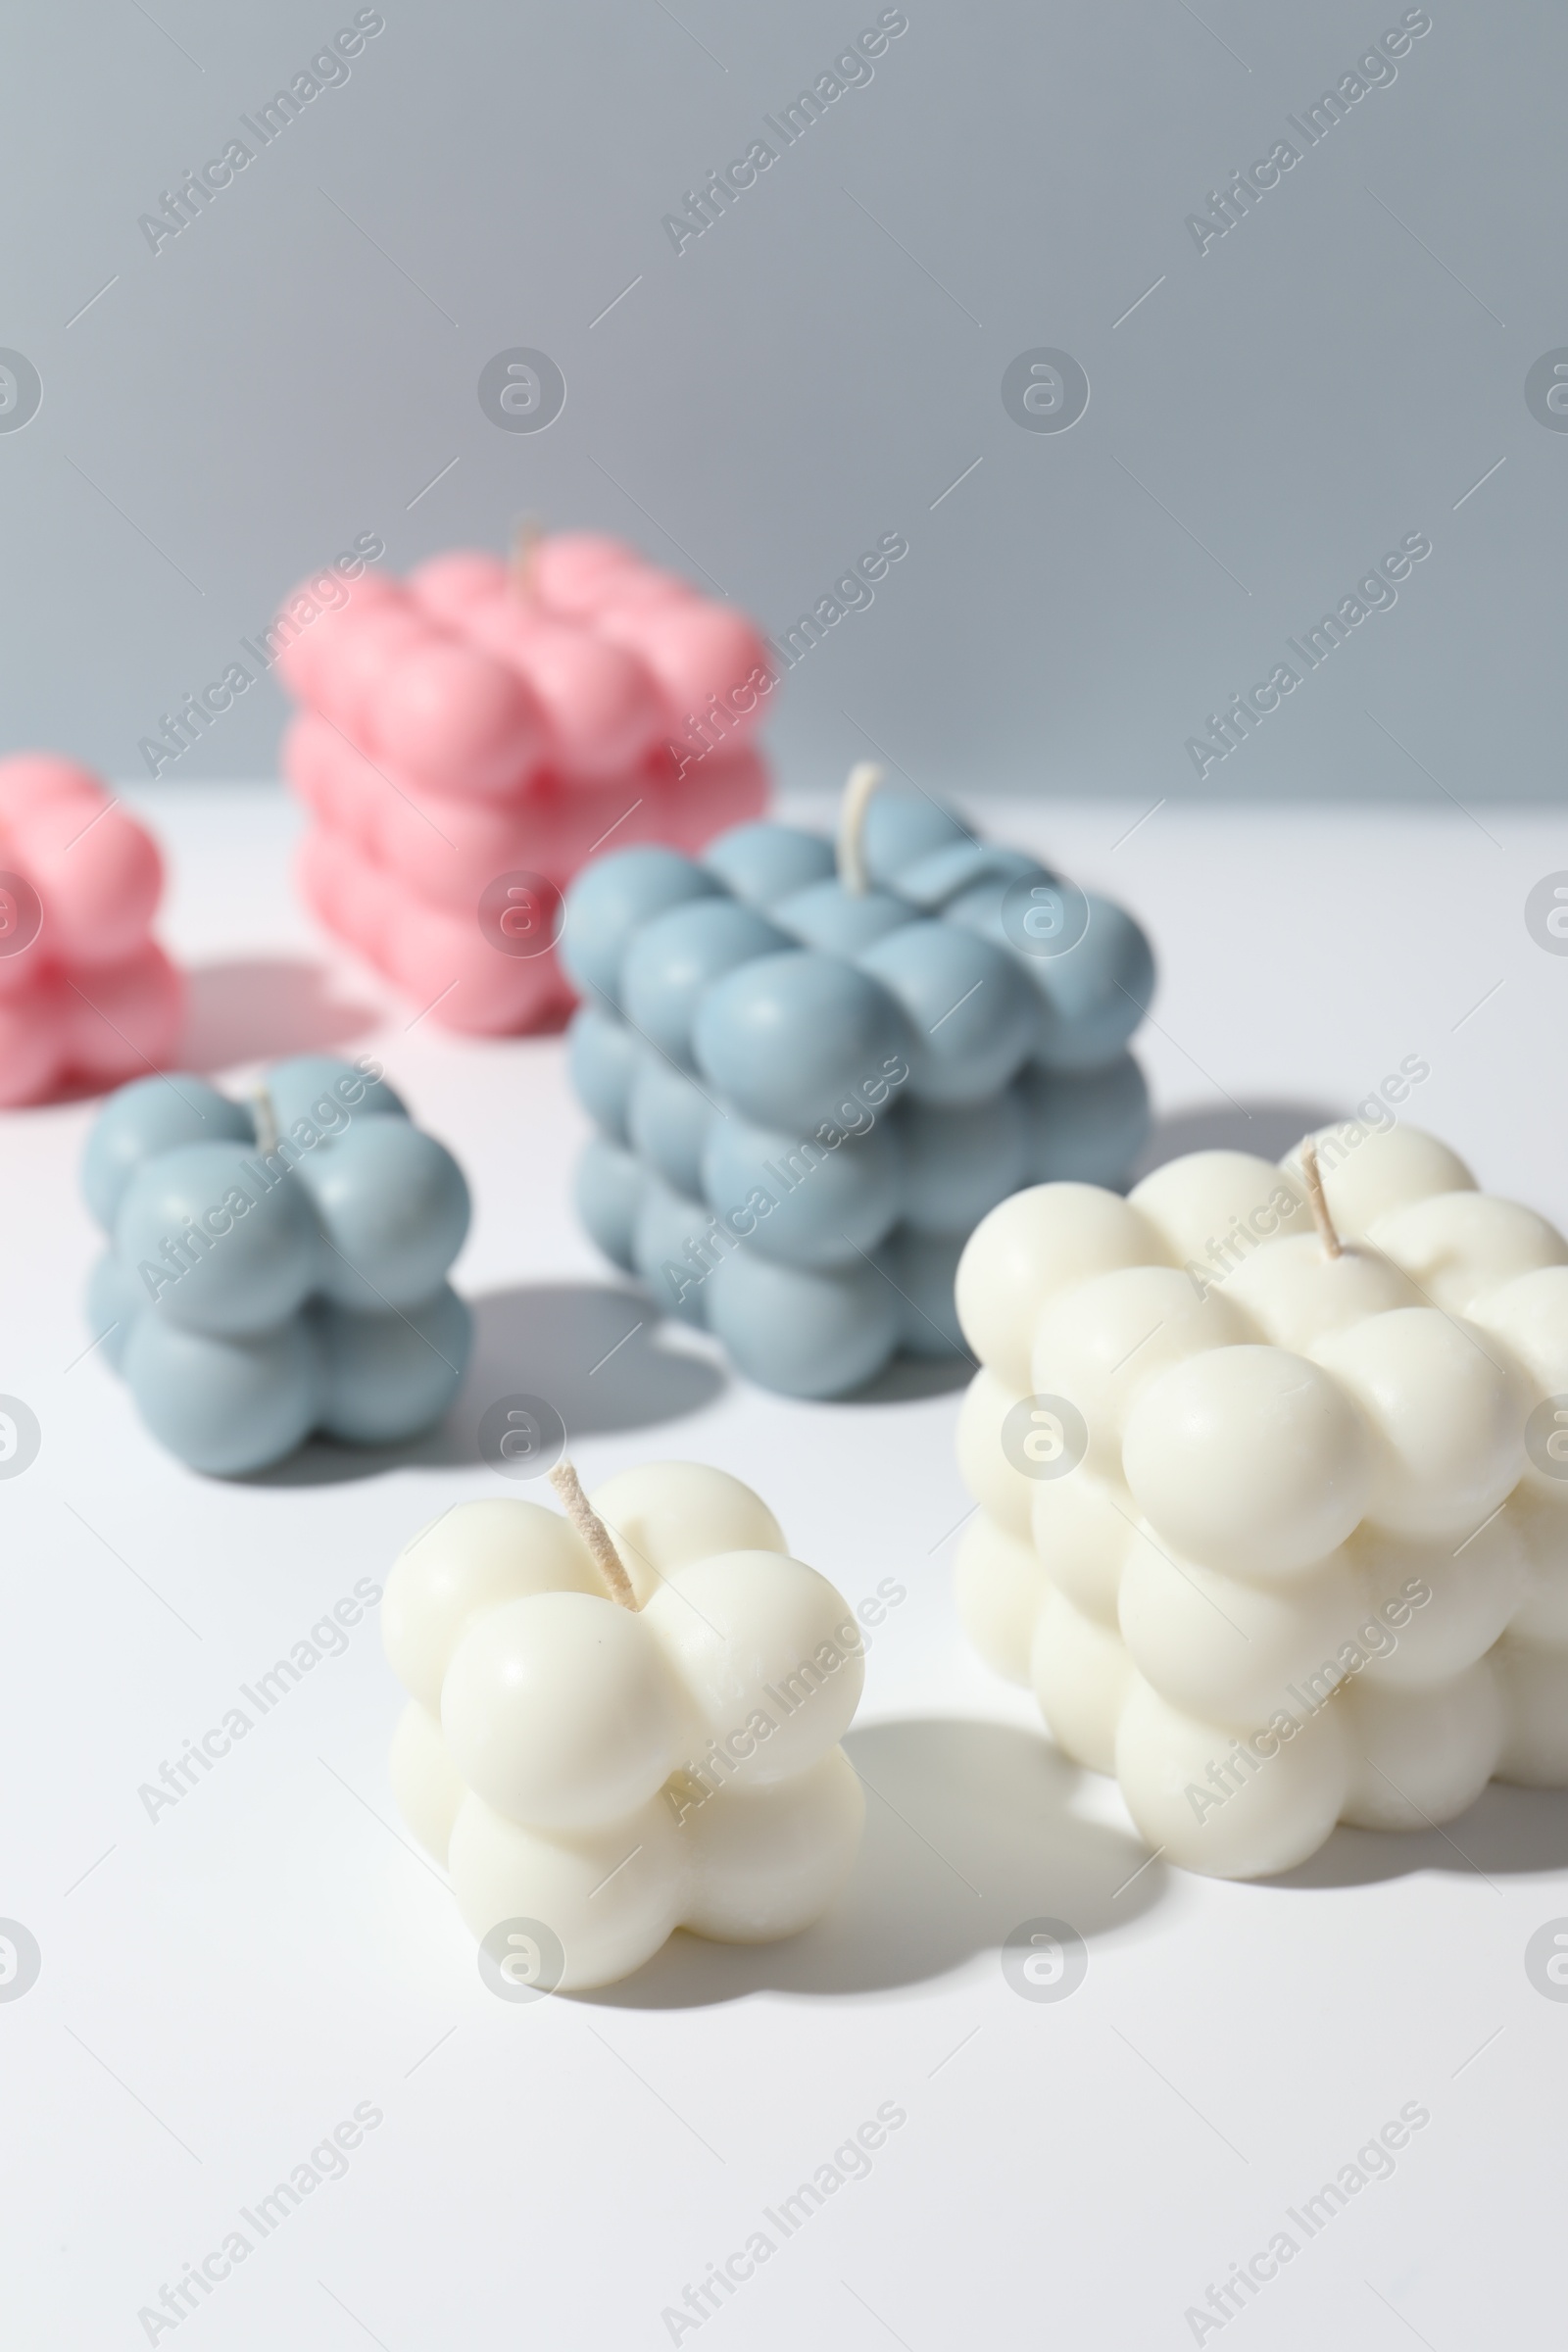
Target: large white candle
1274,1488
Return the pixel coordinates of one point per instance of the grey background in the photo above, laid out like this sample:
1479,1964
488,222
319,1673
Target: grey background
819,367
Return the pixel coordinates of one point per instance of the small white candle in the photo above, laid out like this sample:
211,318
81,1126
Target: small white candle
624,1720
1274,1498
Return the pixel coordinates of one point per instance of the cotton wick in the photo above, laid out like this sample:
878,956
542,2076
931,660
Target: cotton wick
1332,1247
263,1118
594,1533
865,779
524,546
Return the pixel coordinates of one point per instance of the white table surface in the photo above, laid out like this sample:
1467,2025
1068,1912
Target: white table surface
222,1987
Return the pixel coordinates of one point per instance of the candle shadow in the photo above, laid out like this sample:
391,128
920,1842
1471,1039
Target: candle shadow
969,1833
263,1009
1507,1832
592,1351
1268,1129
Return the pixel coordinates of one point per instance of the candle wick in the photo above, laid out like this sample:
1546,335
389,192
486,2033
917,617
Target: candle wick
1331,1245
865,778
263,1118
524,546
594,1533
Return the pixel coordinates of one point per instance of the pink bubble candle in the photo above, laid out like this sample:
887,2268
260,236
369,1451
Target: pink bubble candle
471,736
87,997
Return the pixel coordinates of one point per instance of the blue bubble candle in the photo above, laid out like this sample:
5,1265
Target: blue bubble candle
277,1268
813,1068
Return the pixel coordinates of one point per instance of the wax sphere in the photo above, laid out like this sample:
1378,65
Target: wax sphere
560,1709
470,1559
1229,1197
385,1377
607,1192
305,1088
666,1515
768,1654
609,899
674,959
988,1471
1228,1648
839,921
829,1207
1366,1171
763,864
947,876
669,1121
220,1260
674,1250
1294,1293
960,1160
901,827
999,1587
610,1894
767,1861
1443,1607
1101,1343
1086,1531
449,713
923,1268
1249,1459
1081,1676
1421,1756
599,703
224,1405
1456,1246
1212,1807
1534,1688
1083,1126
1536,1521
804,1333
153,1115
1035,1245
783,1036
393,1211
1446,1419
967,1006
602,1059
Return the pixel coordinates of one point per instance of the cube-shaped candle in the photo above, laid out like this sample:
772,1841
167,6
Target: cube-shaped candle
277,1267
470,737
1273,1473
814,1069
623,1720
88,998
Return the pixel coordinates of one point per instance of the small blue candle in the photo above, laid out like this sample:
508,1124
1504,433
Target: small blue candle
276,1268
812,1071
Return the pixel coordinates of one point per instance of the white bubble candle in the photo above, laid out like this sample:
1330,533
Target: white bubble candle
1273,1473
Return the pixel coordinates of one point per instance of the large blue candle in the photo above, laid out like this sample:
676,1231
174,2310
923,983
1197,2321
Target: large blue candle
278,1267
812,1071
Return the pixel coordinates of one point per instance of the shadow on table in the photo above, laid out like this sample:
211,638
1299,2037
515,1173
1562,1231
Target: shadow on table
1266,1129
968,1834
591,1350
264,1008
908,1377
1507,1832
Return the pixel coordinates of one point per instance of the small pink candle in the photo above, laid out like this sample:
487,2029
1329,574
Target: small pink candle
88,998
468,738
